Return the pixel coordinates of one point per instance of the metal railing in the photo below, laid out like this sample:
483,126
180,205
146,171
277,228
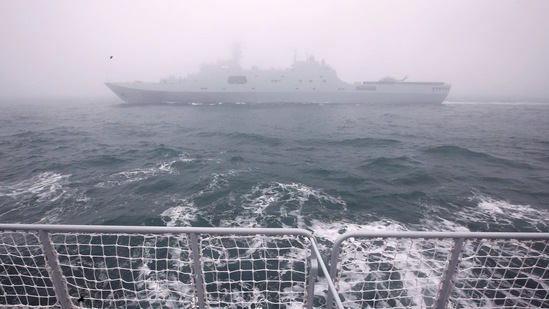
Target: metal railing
169,267
441,270
158,267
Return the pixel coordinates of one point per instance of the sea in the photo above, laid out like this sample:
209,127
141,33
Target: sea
327,168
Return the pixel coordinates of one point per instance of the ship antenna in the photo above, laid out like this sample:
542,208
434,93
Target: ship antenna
237,53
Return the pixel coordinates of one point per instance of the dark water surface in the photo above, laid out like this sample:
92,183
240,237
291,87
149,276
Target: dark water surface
327,168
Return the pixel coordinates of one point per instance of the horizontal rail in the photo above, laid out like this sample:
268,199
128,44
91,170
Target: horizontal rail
453,235
152,229
266,231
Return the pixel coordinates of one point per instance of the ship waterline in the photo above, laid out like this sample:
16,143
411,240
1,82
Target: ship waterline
308,81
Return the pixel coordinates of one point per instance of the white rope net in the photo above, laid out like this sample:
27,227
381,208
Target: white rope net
126,270
408,273
255,271
24,278
154,270
390,272
502,273
117,270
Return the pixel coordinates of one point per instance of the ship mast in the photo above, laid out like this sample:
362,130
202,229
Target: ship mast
237,53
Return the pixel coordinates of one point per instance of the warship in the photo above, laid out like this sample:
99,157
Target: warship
306,81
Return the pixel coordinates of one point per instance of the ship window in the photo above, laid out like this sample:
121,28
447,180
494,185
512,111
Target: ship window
237,79
365,87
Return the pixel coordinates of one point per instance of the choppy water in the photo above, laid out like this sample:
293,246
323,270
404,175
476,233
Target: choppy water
327,168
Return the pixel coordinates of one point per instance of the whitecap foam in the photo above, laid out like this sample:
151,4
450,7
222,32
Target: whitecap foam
503,214
359,256
280,201
185,212
332,230
433,221
47,186
139,174
180,215
219,180
45,190
489,213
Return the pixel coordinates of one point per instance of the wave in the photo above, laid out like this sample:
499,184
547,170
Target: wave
236,159
164,153
500,215
389,164
187,213
181,215
168,167
456,152
353,142
320,172
43,198
102,160
47,186
264,205
245,137
283,205
484,214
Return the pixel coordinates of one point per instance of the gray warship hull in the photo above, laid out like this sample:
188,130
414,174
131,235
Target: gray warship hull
306,81
138,95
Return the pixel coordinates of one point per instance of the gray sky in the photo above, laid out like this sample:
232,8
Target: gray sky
62,48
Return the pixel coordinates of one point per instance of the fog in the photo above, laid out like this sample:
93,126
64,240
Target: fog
483,48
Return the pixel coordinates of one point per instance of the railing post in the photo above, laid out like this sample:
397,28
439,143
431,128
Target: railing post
197,270
447,280
313,273
59,285
334,260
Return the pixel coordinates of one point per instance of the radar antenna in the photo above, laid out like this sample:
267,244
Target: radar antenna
237,52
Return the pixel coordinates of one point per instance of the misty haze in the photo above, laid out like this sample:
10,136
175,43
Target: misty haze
63,48
324,117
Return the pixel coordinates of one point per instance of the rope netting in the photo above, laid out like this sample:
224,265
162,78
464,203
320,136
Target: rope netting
378,272
121,270
391,272
221,270
497,273
24,278
255,271
126,270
